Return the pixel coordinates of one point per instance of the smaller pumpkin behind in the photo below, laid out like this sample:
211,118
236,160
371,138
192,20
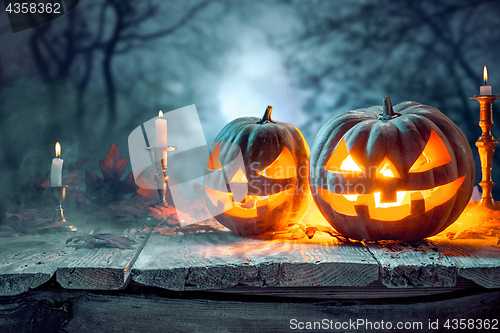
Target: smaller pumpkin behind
391,173
256,179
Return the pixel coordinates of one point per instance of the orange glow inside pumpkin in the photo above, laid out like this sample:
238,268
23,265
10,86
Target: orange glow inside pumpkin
248,207
283,167
349,165
214,161
239,177
434,154
387,170
341,160
405,204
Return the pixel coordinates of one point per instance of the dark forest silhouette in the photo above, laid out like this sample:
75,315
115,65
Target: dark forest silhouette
104,61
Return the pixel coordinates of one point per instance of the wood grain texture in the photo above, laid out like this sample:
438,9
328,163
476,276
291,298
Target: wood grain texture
416,264
216,261
476,259
83,311
375,290
30,260
103,267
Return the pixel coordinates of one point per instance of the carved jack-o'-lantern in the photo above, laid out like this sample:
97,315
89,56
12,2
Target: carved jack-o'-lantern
267,185
391,173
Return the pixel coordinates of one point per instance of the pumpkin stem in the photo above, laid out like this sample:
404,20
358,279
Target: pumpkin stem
266,118
388,112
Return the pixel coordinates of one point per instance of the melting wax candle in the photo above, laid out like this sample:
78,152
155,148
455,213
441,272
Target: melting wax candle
485,90
56,170
161,131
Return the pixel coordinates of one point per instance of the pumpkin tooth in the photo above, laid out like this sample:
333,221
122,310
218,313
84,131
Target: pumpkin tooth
248,203
417,203
362,211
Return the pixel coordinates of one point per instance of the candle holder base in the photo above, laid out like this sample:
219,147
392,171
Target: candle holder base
59,194
489,203
489,209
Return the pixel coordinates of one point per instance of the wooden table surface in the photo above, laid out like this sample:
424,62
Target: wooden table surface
207,279
218,261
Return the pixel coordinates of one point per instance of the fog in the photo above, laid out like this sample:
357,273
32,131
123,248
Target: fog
91,76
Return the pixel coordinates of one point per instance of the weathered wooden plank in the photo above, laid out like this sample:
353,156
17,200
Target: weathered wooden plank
416,264
476,259
215,261
375,290
28,261
154,311
103,267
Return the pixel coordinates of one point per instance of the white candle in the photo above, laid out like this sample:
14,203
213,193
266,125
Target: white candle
485,90
56,170
161,130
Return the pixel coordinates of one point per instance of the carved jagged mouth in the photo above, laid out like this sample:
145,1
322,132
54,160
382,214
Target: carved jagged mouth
224,203
407,202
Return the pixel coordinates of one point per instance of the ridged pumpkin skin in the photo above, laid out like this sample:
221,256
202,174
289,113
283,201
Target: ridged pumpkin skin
261,142
395,136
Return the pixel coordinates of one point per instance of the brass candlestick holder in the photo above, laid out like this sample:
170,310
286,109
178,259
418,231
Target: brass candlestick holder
59,194
486,146
161,176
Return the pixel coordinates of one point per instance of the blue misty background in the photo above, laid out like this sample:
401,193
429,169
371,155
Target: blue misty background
89,77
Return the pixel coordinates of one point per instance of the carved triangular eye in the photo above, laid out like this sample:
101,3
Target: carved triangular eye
214,161
349,165
434,154
341,160
387,170
282,167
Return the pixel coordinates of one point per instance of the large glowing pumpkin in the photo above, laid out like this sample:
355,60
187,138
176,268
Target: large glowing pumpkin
391,173
270,185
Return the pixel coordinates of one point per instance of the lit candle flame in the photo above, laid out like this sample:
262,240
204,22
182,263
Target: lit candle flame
58,149
485,75
160,114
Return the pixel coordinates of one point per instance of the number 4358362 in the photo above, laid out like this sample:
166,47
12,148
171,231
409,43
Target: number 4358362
471,324
34,8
